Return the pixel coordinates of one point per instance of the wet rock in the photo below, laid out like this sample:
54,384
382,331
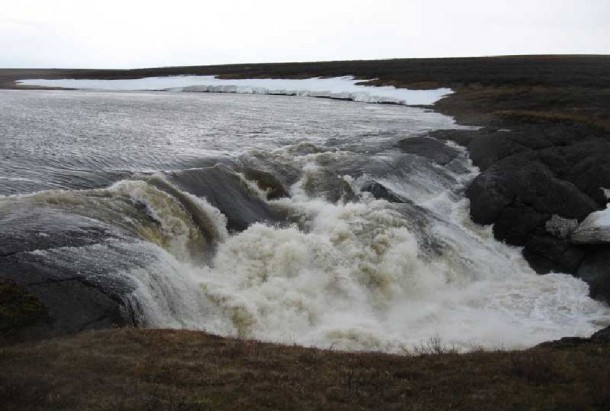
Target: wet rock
487,146
75,297
537,182
430,148
584,163
531,174
595,271
19,308
328,184
26,228
546,253
460,137
516,224
267,182
487,149
523,182
224,189
601,336
379,191
72,302
552,142
487,198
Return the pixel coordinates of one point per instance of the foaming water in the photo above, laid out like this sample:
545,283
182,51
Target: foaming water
260,220
358,278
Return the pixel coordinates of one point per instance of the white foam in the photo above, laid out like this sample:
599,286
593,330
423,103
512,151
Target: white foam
359,281
355,277
337,87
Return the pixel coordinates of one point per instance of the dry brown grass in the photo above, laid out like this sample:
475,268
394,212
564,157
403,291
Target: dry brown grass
477,104
546,117
182,370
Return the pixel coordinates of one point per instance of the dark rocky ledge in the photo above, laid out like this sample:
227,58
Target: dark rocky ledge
42,302
532,174
39,299
602,336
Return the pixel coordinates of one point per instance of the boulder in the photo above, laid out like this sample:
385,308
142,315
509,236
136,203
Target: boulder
515,224
327,183
595,229
537,182
430,148
267,182
223,188
460,137
67,302
379,191
546,253
521,181
488,148
595,271
19,308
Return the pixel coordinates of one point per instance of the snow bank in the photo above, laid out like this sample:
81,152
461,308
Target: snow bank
344,88
595,229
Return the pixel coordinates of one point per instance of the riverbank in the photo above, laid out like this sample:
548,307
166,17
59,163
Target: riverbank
170,370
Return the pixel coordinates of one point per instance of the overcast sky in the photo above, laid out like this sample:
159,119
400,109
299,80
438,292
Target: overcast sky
133,33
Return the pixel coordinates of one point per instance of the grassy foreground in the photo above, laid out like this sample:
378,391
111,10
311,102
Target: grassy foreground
185,370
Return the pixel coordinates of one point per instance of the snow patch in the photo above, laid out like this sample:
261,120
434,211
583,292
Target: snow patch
595,229
343,88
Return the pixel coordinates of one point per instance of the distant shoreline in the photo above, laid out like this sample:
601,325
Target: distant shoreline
488,89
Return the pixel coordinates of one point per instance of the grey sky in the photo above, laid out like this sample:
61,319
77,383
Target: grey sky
124,33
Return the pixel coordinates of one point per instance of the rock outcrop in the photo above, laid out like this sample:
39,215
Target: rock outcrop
595,229
599,337
430,148
47,299
542,187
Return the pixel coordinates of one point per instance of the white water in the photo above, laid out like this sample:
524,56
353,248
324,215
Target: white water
364,274
337,87
357,279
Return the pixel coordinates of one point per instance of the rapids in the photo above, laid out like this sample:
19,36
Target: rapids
299,221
